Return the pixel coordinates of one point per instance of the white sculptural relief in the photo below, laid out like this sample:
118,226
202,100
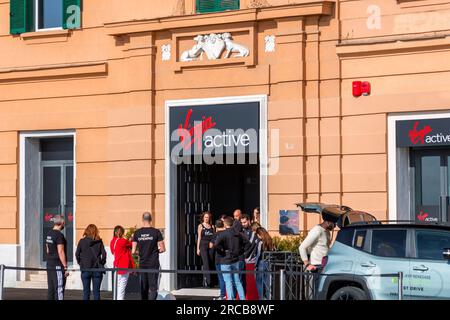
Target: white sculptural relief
213,45
269,43
233,47
165,52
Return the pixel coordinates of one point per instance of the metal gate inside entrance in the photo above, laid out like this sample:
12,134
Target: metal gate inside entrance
219,188
57,189
204,138
430,169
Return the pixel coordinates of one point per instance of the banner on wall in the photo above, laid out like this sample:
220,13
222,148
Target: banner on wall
289,222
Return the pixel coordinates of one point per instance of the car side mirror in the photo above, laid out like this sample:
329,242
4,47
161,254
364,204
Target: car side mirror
446,253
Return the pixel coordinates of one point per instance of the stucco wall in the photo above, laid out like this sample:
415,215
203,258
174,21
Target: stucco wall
112,90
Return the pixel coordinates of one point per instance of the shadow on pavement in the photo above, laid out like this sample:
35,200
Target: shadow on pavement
41,294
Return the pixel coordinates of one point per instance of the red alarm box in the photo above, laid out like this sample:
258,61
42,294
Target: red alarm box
365,88
356,88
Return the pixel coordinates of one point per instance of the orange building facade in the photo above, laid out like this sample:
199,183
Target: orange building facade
87,114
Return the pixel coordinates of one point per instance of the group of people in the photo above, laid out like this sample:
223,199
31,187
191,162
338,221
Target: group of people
230,246
91,254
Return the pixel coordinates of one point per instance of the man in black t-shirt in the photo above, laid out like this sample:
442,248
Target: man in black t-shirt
56,248
149,243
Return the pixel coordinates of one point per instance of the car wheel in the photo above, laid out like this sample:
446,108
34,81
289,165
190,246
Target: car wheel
349,293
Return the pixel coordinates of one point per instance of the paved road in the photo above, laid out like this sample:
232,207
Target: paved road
41,294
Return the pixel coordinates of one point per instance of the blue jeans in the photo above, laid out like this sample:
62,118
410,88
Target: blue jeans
232,280
96,278
261,278
223,290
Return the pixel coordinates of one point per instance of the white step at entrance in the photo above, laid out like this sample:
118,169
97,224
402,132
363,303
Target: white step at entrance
36,280
39,281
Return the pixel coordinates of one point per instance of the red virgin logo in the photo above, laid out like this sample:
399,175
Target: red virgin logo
47,217
422,216
196,131
419,135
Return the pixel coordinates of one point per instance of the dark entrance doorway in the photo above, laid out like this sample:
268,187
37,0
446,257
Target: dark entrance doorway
224,139
57,188
431,189
219,188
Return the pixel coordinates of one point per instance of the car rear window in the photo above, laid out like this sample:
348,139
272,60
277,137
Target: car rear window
431,244
345,236
389,243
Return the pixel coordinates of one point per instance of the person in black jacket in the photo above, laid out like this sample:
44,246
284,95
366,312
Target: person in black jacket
91,254
231,244
218,258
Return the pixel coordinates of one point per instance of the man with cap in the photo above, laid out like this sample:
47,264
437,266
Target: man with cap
56,249
149,242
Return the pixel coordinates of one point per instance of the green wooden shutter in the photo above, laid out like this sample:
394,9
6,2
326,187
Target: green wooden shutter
204,6
21,16
229,4
71,14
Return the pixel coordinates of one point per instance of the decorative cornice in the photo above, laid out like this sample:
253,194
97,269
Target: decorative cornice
358,48
243,15
52,71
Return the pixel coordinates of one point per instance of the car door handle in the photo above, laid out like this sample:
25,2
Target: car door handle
369,264
420,268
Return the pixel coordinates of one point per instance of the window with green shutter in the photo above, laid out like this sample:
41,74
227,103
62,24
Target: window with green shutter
21,16
49,14
36,15
204,6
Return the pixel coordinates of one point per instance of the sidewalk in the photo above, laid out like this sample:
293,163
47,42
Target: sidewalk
41,294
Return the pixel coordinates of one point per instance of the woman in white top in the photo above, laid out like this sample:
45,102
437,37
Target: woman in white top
317,242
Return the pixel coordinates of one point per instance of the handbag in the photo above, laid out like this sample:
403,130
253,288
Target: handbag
97,261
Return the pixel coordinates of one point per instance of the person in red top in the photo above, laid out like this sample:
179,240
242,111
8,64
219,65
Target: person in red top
121,249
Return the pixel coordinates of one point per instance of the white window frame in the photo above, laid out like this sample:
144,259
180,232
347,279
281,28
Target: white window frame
22,183
36,19
168,260
392,151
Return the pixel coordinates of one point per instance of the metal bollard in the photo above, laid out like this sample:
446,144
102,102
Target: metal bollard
113,284
282,285
2,280
116,279
400,286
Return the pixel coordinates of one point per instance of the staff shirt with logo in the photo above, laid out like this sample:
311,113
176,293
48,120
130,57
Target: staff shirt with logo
55,237
147,243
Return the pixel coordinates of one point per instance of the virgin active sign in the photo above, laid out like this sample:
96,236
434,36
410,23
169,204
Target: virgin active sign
423,132
212,130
